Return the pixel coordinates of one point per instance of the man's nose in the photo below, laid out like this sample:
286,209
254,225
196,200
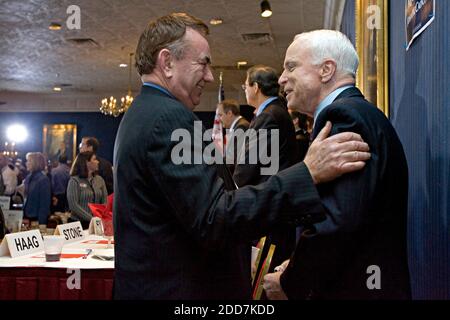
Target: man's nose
208,75
282,80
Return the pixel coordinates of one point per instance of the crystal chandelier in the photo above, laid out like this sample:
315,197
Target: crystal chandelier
110,107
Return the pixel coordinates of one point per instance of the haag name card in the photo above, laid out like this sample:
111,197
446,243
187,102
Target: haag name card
21,243
72,232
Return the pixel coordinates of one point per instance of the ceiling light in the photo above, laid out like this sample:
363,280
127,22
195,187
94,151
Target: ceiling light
109,106
123,65
54,26
265,9
216,21
57,89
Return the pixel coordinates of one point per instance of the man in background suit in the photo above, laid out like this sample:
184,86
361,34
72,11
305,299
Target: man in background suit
262,92
233,121
178,233
359,251
104,166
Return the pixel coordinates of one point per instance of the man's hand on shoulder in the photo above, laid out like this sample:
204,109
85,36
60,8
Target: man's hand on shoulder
329,158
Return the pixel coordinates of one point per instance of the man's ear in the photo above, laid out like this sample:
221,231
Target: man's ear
164,62
255,87
328,70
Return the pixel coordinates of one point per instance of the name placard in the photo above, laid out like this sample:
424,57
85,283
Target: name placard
21,243
72,232
5,202
96,226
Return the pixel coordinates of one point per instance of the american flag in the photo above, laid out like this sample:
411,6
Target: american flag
217,134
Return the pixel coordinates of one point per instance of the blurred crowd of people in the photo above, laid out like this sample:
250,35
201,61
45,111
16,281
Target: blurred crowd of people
41,187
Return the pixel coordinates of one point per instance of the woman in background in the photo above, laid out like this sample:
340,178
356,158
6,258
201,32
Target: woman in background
37,190
85,186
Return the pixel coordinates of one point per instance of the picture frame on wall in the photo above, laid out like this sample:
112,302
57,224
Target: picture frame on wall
59,139
372,45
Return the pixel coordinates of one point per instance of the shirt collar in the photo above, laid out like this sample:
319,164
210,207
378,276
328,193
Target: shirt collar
234,123
264,105
158,87
329,100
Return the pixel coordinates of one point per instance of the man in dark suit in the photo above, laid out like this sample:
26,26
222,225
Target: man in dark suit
262,92
359,250
236,125
178,233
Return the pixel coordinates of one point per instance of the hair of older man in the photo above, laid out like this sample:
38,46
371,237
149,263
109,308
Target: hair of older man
165,32
266,78
230,105
331,44
37,161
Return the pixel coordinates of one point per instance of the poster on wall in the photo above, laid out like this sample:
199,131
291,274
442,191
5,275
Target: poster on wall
419,15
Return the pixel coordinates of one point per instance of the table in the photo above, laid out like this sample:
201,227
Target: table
32,278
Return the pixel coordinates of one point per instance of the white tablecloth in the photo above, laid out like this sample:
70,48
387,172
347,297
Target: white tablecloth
71,256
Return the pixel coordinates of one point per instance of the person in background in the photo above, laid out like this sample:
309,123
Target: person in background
300,122
262,91
60,180
85,186
233,121
104,167
21,171
8,178
37,190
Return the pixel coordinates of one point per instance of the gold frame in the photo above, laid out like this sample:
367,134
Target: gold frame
372,47
55,134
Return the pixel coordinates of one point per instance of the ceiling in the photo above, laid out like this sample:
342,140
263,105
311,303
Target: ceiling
34,59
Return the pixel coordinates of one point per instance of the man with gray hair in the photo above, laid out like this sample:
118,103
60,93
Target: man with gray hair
359,250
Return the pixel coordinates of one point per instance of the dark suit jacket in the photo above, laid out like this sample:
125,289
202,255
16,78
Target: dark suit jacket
366,216
232,150
274,116
105,171
178,234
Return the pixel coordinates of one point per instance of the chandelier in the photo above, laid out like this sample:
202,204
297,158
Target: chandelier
110,107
